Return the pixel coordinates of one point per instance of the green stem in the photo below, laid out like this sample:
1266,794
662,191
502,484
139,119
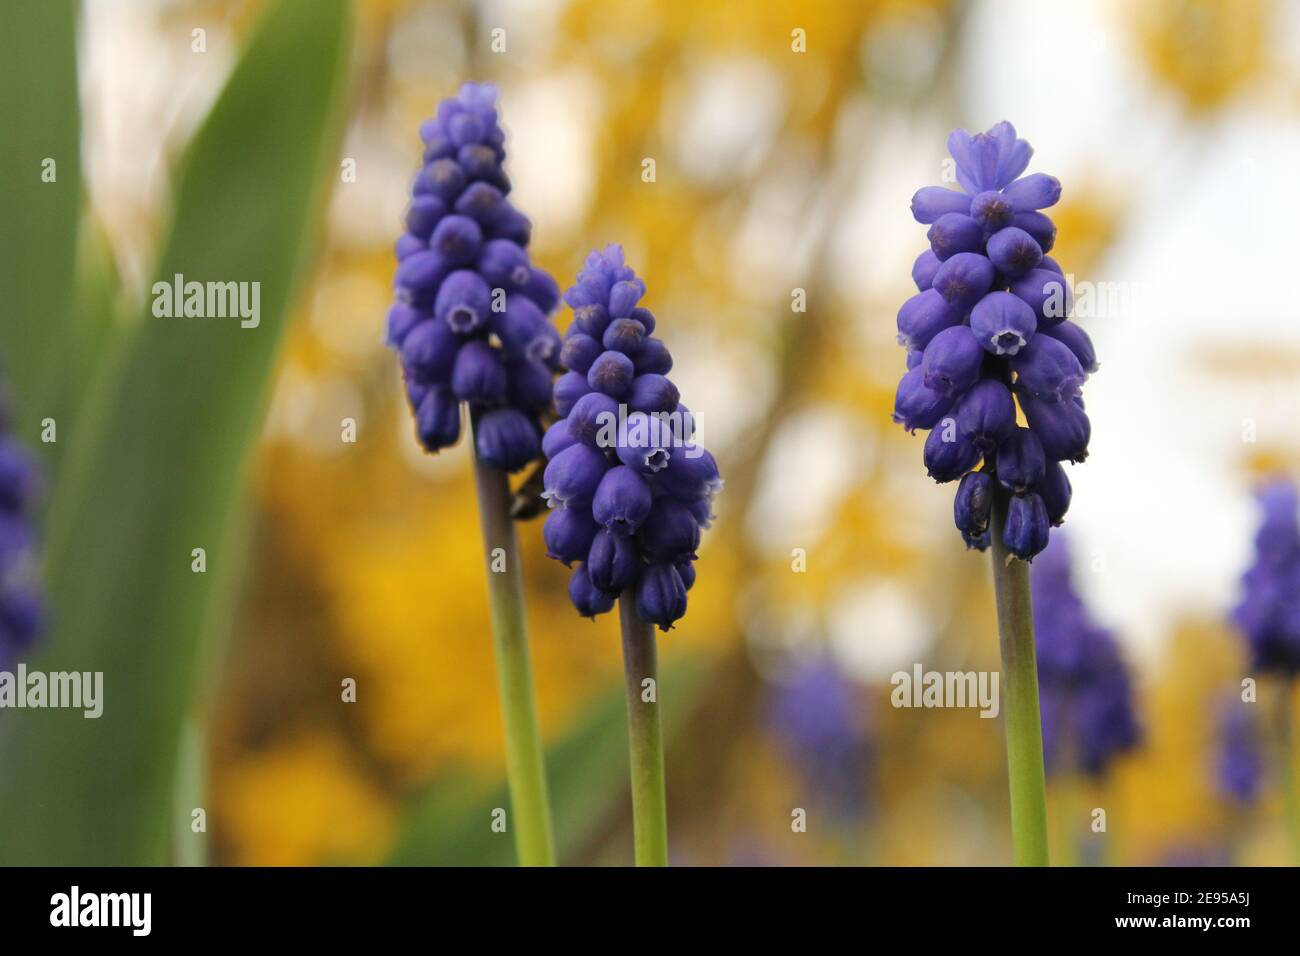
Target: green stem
1020,698
644,738
190,848
1287,763
525,767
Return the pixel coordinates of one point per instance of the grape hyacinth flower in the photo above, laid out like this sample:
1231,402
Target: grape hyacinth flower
1087,696
629,492
817,718
1239,768
21,603
1268,614
470,326
989,340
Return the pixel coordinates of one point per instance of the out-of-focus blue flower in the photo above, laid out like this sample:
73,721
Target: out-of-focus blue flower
1269,611
21,603
1086,694
818,719
1240,760
992,307
470,322
629,487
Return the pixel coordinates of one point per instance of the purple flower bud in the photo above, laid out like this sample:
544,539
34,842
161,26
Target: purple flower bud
423,215
953,233
963,278
1047,293
592,417
1014,251
524,331
463,302
645,317
568,533
1035,191
592,319
1021,463
589,600
408,245
418,277
402,318
1052,265
916,405
952,361
661,596
1027,526
506,439
986,414
924,316
670,532
569,387
611,373
1002,323
557,438
1054,489
624,296
1039,226
992,211
428,352
579,351
511,224
1078,342
913,359
624,335
652,393
529,383
973,504
948,455
644,447
480,163
613,562
702,509
690,477
477,375
686,569
652,358
456,238
571,478
1047,367
482,202
1062,427
443,178
622,500
924,268
437,418
541,288
503,264
932,202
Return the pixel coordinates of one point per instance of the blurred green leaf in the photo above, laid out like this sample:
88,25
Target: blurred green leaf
157,464
40,118
588,776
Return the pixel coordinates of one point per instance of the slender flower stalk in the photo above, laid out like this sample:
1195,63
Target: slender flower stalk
629,489
989,339
1020,700
644,736
470,327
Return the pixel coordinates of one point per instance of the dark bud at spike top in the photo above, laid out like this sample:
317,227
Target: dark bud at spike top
661,596
932,202
1036,191
1027,526
650,499
992,211
464,241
